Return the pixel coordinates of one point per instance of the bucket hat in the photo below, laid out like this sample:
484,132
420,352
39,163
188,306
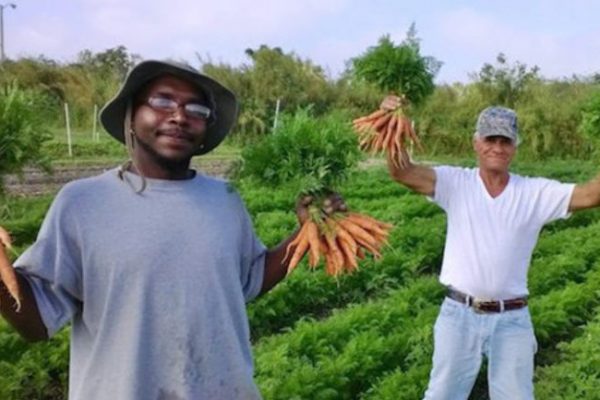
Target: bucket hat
224,105
498,121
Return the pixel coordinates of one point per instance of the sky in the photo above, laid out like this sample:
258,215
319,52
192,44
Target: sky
562,38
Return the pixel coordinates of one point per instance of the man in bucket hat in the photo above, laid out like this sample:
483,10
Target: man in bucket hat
152,263
494,220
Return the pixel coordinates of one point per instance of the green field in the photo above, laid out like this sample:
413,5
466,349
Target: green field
369,335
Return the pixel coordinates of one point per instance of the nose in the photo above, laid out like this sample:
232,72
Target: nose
498,145
179,114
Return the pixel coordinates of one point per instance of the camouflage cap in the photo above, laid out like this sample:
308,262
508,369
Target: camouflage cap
498,121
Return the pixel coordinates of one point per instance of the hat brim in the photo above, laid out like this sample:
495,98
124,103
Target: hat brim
112,115
514,139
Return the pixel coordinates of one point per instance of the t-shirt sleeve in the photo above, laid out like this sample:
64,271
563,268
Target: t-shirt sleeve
445,178
553,199
53,269
253,258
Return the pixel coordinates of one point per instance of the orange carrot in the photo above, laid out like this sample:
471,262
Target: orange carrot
330,268
360,253
373,249
389,133
371,117
381,224
9,277
412,134
312,232
396,158
345,236
358,233
299,252
336,254
294,242
382,121
378,142
349,256
367,223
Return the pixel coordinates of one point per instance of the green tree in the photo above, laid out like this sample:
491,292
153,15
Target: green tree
21,131
503,83
113,62
104,72
272,75
275,75
590,121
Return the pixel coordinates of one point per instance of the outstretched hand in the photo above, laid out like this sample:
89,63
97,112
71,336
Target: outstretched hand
391,102
330,204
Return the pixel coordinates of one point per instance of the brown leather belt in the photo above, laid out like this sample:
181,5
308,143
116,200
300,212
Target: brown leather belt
487,306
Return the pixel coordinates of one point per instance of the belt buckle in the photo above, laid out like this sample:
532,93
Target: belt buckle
478,304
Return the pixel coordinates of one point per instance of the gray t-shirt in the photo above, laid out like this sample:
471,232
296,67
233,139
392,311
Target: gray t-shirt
154,284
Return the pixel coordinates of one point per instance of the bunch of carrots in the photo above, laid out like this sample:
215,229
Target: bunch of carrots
387,130
340,238
7,272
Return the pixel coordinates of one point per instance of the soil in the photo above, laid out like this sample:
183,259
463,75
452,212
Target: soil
36,182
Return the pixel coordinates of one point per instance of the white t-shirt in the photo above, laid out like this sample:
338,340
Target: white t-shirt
490,241
154,285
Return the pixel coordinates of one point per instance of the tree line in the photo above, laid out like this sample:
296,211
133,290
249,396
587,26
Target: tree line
559,118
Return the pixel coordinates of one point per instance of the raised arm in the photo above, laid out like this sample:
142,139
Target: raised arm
416,177
586,195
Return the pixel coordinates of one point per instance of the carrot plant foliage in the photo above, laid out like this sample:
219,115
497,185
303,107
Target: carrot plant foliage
305,153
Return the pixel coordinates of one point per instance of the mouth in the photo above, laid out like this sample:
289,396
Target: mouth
177,136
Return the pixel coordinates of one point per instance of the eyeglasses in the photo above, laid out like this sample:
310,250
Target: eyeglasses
191,109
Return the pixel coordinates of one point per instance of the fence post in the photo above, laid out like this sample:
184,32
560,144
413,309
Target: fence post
68,122
94,132
276,115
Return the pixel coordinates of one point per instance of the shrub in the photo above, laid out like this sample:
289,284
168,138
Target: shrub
590,120
21,130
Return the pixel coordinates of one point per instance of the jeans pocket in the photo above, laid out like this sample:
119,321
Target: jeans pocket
449,308
519,323
449,313
519,319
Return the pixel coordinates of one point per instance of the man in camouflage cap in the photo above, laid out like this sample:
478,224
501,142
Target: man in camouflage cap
494,220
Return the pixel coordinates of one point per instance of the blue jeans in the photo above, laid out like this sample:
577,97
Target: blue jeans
462,337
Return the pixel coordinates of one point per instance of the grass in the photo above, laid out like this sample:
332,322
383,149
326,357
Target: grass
108,151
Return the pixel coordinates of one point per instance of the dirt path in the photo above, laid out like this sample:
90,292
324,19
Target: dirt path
36,182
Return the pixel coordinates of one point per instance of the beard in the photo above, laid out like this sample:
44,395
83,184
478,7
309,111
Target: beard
169,164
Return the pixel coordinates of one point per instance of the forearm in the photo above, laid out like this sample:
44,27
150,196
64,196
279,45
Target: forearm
275,267
27,321
401,174
418,178
586,195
